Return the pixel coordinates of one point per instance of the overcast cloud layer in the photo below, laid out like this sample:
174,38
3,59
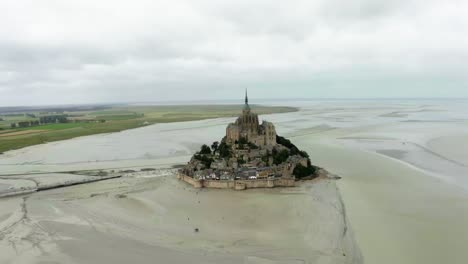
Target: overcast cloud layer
87,51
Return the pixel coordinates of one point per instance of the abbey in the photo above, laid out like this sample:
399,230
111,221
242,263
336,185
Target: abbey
247,126
251,155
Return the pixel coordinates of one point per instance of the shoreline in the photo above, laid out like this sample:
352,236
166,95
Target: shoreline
281,110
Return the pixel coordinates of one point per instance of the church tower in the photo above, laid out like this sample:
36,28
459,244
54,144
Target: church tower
248,126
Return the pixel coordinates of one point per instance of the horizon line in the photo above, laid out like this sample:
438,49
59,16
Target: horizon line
234,100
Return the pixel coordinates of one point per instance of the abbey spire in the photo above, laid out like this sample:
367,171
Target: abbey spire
246,105
246,97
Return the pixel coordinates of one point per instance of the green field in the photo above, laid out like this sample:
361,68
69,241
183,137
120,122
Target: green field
113,119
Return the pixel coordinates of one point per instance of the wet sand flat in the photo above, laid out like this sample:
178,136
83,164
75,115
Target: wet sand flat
154,219
454,146
400,215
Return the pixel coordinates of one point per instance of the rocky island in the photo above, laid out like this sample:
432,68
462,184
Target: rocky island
251,155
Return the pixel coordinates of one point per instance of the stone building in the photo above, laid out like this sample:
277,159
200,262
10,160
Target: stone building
248,126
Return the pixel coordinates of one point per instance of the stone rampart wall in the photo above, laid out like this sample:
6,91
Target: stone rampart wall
231,184
218,184
190,180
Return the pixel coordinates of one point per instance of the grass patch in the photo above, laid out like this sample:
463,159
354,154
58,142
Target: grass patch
119,117
59,126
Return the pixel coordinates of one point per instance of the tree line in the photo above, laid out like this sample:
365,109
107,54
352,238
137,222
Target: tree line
42,120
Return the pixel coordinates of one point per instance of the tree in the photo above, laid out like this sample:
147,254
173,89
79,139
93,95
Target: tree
274,152
224,150
24,124
243,140
53,119
300,171
285,142
206,161
205,149
292,148
215,146
13,125
304,154
280,157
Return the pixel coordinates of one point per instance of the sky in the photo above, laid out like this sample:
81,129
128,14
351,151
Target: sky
88,51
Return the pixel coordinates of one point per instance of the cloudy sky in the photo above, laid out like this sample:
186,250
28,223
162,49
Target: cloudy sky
88,51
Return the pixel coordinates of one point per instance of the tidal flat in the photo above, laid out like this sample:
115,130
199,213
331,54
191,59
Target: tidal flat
404,190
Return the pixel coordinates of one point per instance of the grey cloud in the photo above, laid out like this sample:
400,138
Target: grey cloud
156,50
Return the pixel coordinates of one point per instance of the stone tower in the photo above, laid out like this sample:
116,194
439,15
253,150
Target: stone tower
248,126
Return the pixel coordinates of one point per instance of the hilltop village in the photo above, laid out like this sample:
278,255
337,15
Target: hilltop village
251,155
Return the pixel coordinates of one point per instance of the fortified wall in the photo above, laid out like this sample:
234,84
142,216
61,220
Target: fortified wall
238,184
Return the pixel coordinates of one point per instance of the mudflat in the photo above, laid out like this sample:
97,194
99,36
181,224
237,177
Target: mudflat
160,218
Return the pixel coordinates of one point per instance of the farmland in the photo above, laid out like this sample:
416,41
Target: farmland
106,120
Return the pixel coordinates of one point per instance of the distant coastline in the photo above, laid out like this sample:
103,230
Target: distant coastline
86,120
